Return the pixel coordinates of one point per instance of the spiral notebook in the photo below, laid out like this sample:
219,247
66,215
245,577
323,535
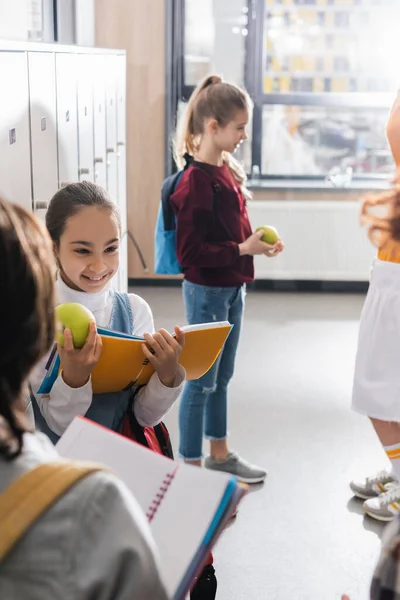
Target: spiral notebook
122,363
187,507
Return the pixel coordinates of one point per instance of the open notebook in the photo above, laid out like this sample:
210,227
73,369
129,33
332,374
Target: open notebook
122,363
187,507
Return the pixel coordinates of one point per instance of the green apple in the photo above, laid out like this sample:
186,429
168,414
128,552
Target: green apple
76,317
271,236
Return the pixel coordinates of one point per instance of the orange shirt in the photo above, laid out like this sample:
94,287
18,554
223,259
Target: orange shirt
390,252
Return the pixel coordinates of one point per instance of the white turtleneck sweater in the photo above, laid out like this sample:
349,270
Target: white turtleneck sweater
63,403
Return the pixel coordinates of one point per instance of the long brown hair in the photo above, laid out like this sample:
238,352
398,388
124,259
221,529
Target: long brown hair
387,226
212,99
27,309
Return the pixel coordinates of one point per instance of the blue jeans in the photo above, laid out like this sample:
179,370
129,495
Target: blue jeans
203,405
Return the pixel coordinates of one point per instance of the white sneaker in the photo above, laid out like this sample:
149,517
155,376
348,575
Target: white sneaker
371,487
386,506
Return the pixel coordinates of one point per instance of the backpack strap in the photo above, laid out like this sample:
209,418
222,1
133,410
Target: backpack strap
170,185
32,494
164,440
136,428
160,431
204,167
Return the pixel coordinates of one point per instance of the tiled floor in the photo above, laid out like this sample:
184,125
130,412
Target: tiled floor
300,536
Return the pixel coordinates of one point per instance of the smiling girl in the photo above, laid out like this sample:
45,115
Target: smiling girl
84,225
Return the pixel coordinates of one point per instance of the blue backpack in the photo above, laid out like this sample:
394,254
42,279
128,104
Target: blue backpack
165,259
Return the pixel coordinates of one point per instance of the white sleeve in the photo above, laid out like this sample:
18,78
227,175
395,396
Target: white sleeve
154,400
64,403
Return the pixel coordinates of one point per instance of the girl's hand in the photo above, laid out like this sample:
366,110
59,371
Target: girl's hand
78,363
253,245
276,249
164,353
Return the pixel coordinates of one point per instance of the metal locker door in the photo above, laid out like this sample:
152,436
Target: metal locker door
42,99
111,124
121,169
67,121
15,154
99,109
85,117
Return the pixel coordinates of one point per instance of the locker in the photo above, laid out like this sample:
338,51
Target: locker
42,100
15,159
121,168
85,118
62,119
67,121
99,113
111,125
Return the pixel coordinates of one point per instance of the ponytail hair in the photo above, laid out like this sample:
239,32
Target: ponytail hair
212,99
27,305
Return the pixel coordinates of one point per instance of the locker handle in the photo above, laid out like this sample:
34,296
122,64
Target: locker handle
41,205
110,150
84,171
120,143
98,159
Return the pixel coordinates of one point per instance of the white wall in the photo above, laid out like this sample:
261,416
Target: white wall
84,22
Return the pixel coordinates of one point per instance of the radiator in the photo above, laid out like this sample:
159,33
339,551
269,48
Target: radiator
323,239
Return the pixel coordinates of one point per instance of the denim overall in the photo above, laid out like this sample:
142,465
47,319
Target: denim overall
106,409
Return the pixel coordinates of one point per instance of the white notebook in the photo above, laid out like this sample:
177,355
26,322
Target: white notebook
187,507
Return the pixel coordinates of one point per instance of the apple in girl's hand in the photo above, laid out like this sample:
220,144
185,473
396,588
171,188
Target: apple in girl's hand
271,236
76,317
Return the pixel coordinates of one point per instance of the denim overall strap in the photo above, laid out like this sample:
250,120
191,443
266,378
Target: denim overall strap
121,315
109,409
40,421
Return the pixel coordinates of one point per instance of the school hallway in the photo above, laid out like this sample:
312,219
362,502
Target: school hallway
301,535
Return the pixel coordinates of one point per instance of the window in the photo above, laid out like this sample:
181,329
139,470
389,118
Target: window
27,20
313,140
341,46
322,75
215,34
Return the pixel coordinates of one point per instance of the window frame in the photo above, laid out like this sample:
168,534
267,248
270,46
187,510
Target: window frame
177,90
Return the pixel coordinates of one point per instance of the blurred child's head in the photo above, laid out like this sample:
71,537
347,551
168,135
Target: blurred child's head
27,309
84,224
219,111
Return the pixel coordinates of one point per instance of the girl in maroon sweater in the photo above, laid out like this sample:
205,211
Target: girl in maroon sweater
215,247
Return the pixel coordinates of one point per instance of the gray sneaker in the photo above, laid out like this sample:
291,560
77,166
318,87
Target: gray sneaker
386,506
235,465
371,487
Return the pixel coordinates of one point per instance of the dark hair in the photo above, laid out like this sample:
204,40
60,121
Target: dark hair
27,309
71,198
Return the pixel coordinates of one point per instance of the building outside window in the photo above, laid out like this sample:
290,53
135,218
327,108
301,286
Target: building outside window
322,75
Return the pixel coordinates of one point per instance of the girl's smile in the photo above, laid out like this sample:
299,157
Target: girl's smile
88,253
